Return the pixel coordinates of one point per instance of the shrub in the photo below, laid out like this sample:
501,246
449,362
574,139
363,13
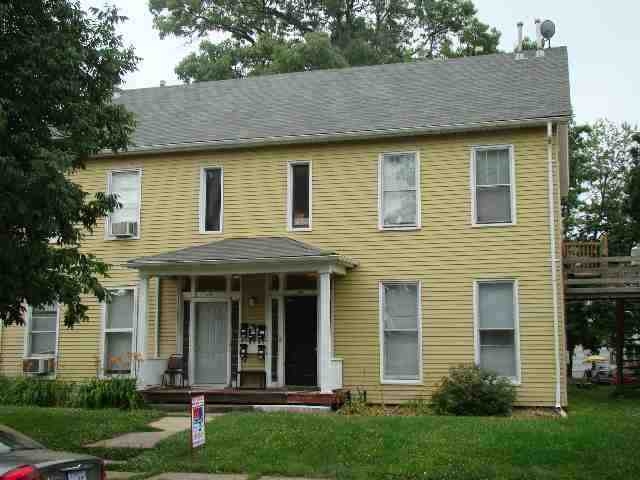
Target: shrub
356,404
418,406
97,393
469,390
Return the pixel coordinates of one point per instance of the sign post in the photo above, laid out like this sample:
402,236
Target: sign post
198,421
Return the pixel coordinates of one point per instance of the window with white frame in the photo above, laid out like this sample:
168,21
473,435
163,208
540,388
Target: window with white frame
497,324
400,328
299,202
399,190
118,331
42,331
211,199
493,185
124,221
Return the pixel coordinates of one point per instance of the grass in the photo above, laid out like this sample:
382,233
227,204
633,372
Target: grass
600,439
70,428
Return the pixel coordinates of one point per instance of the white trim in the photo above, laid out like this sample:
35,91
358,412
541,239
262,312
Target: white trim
156,333
516,322
281,331
203,198
289,209
554,265
418,190
132,330
27,339
512,185
392,381
107,219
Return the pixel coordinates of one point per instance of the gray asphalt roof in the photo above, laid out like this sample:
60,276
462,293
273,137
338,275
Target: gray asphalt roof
237,250
383,99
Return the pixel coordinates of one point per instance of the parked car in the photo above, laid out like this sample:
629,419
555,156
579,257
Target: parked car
22,458
629,376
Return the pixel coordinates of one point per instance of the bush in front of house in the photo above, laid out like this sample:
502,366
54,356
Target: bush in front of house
470,390
96,393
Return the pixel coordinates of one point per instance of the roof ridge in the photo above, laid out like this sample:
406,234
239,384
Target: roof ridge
350,68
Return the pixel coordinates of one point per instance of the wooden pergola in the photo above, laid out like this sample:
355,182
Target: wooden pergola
591,274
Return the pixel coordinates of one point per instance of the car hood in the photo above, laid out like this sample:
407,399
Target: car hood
39,457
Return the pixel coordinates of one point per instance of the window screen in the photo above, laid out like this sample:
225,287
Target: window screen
42,332
126,187
493,186
118,333
399,190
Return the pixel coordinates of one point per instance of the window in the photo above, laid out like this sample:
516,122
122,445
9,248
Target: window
400,332
299,203
399,191
497,327
493,186
125,185
211,198
43,329
118,332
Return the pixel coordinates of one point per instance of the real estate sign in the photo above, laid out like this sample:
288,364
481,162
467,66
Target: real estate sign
197,421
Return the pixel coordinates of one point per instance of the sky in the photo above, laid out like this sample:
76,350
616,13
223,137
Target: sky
601,37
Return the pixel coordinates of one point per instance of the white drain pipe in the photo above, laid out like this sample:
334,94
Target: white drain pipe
554,265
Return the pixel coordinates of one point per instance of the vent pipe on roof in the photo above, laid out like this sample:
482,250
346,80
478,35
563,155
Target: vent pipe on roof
163,83
539,39
519,43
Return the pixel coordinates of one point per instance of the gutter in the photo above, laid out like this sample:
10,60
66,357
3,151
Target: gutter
554,266
227,144
339,259
156,335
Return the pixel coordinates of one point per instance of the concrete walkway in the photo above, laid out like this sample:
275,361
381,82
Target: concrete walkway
166,427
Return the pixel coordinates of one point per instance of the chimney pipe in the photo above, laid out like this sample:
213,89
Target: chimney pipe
539,39
163,83
519,44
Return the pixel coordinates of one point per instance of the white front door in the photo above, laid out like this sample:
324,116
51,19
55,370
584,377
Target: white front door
211,343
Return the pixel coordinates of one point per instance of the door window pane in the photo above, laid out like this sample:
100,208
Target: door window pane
300,196
213,199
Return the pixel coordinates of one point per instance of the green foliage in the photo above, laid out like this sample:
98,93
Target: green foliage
58,71
469,390
418,406
285,36
632,207
356,404
97,393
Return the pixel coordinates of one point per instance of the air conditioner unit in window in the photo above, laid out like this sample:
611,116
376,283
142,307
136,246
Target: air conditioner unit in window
38,365
124,229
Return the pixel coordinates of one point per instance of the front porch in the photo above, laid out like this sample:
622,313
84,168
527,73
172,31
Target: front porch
253,322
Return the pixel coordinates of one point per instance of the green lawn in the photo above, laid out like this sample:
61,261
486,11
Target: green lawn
600,439
70,428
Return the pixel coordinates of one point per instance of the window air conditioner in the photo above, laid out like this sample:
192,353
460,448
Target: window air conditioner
38,365
124,229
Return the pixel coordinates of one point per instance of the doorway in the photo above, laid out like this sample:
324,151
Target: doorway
211,343
301,341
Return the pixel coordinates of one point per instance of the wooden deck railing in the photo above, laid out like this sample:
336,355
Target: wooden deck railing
597,248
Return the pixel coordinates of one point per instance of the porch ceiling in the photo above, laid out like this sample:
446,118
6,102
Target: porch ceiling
244,255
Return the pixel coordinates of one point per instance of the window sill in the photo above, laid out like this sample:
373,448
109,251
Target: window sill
210,232
400,382
120,239
400,228
482,225
299,229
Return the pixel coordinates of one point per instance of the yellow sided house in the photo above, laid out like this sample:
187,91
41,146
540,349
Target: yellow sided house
294,235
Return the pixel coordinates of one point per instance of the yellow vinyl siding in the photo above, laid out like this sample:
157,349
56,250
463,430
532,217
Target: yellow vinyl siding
11,350
447,254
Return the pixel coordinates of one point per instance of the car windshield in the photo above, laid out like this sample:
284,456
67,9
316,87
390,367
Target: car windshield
11,440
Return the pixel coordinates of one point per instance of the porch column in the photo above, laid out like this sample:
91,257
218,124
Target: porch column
324,334
141,330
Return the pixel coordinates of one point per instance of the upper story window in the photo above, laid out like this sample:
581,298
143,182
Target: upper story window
42,331
400,332
124,222
399,191
299,196
497,327
493,186
118,331
211,199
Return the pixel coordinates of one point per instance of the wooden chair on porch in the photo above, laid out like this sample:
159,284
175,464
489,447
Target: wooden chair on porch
175,370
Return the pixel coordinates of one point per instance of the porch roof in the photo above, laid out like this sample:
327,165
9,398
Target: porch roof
236,254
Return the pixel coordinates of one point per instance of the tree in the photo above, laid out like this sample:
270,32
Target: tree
58,71
600,202
633,190
287,35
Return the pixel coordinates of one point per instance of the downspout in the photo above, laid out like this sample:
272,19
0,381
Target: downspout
554,264
156,336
